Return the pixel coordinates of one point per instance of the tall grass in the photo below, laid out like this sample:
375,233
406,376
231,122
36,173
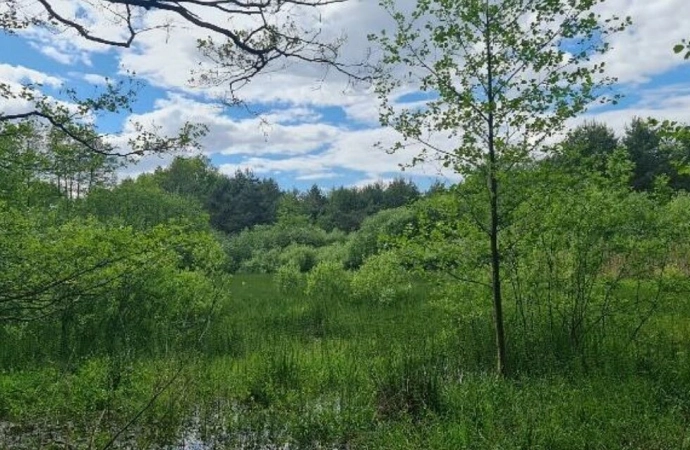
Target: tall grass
316,371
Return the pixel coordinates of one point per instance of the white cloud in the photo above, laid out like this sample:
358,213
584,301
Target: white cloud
317,176
282,145
96,79
669,102
54,53
645,49
294,138
21,74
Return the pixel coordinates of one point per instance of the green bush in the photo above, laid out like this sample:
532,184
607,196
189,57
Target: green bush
369,239
382,279
257,250
261,261
302,256
102,289
335,253
289,280
328,281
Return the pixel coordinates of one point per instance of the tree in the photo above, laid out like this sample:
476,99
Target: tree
501,77
400,193
644,147
143,205
74,168
243,201
291,210
314,203
660,152
189,177
346,209
588,147
40,164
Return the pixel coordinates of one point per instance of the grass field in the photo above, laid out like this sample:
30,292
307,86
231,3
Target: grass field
310,372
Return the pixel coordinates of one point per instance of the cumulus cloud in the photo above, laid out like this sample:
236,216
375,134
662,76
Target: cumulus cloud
667,102
295,135
20,74
645,49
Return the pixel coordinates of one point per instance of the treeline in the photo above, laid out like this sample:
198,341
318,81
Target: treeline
77,245
243,200
656,158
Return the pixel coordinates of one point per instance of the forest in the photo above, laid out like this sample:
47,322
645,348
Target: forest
539,301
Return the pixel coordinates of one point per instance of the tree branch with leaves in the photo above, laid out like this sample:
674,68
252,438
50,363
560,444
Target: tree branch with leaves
244,39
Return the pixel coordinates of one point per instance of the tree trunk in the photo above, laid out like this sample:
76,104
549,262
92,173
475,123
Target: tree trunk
494,226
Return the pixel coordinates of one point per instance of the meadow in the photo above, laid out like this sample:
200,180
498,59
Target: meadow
288,370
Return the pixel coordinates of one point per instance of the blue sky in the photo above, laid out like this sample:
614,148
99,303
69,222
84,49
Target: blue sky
311,129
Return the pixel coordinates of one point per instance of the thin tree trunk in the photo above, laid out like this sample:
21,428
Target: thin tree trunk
494,227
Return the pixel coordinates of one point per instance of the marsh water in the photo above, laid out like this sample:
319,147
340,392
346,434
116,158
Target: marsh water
194,435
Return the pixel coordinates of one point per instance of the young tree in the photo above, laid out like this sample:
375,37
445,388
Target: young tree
501,76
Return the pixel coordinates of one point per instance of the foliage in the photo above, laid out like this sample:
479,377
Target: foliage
375,230
273,371
142,205
683,46
328,282
574,255
335,253
501,79
261,261
105,290
588,147
264,245
242,202
289,280
658,151
347,208
301,256
188,177
40,165
382,279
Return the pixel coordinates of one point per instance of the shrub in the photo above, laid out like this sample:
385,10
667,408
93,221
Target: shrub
368,240
262,261
328,281
289,280
382,279
335,253
302,256
248,250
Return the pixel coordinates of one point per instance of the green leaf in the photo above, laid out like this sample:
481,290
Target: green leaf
678,48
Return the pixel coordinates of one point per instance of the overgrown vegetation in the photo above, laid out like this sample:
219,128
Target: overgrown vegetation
191,307
124,302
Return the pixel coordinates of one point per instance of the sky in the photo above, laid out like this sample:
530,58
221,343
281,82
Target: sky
302,124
